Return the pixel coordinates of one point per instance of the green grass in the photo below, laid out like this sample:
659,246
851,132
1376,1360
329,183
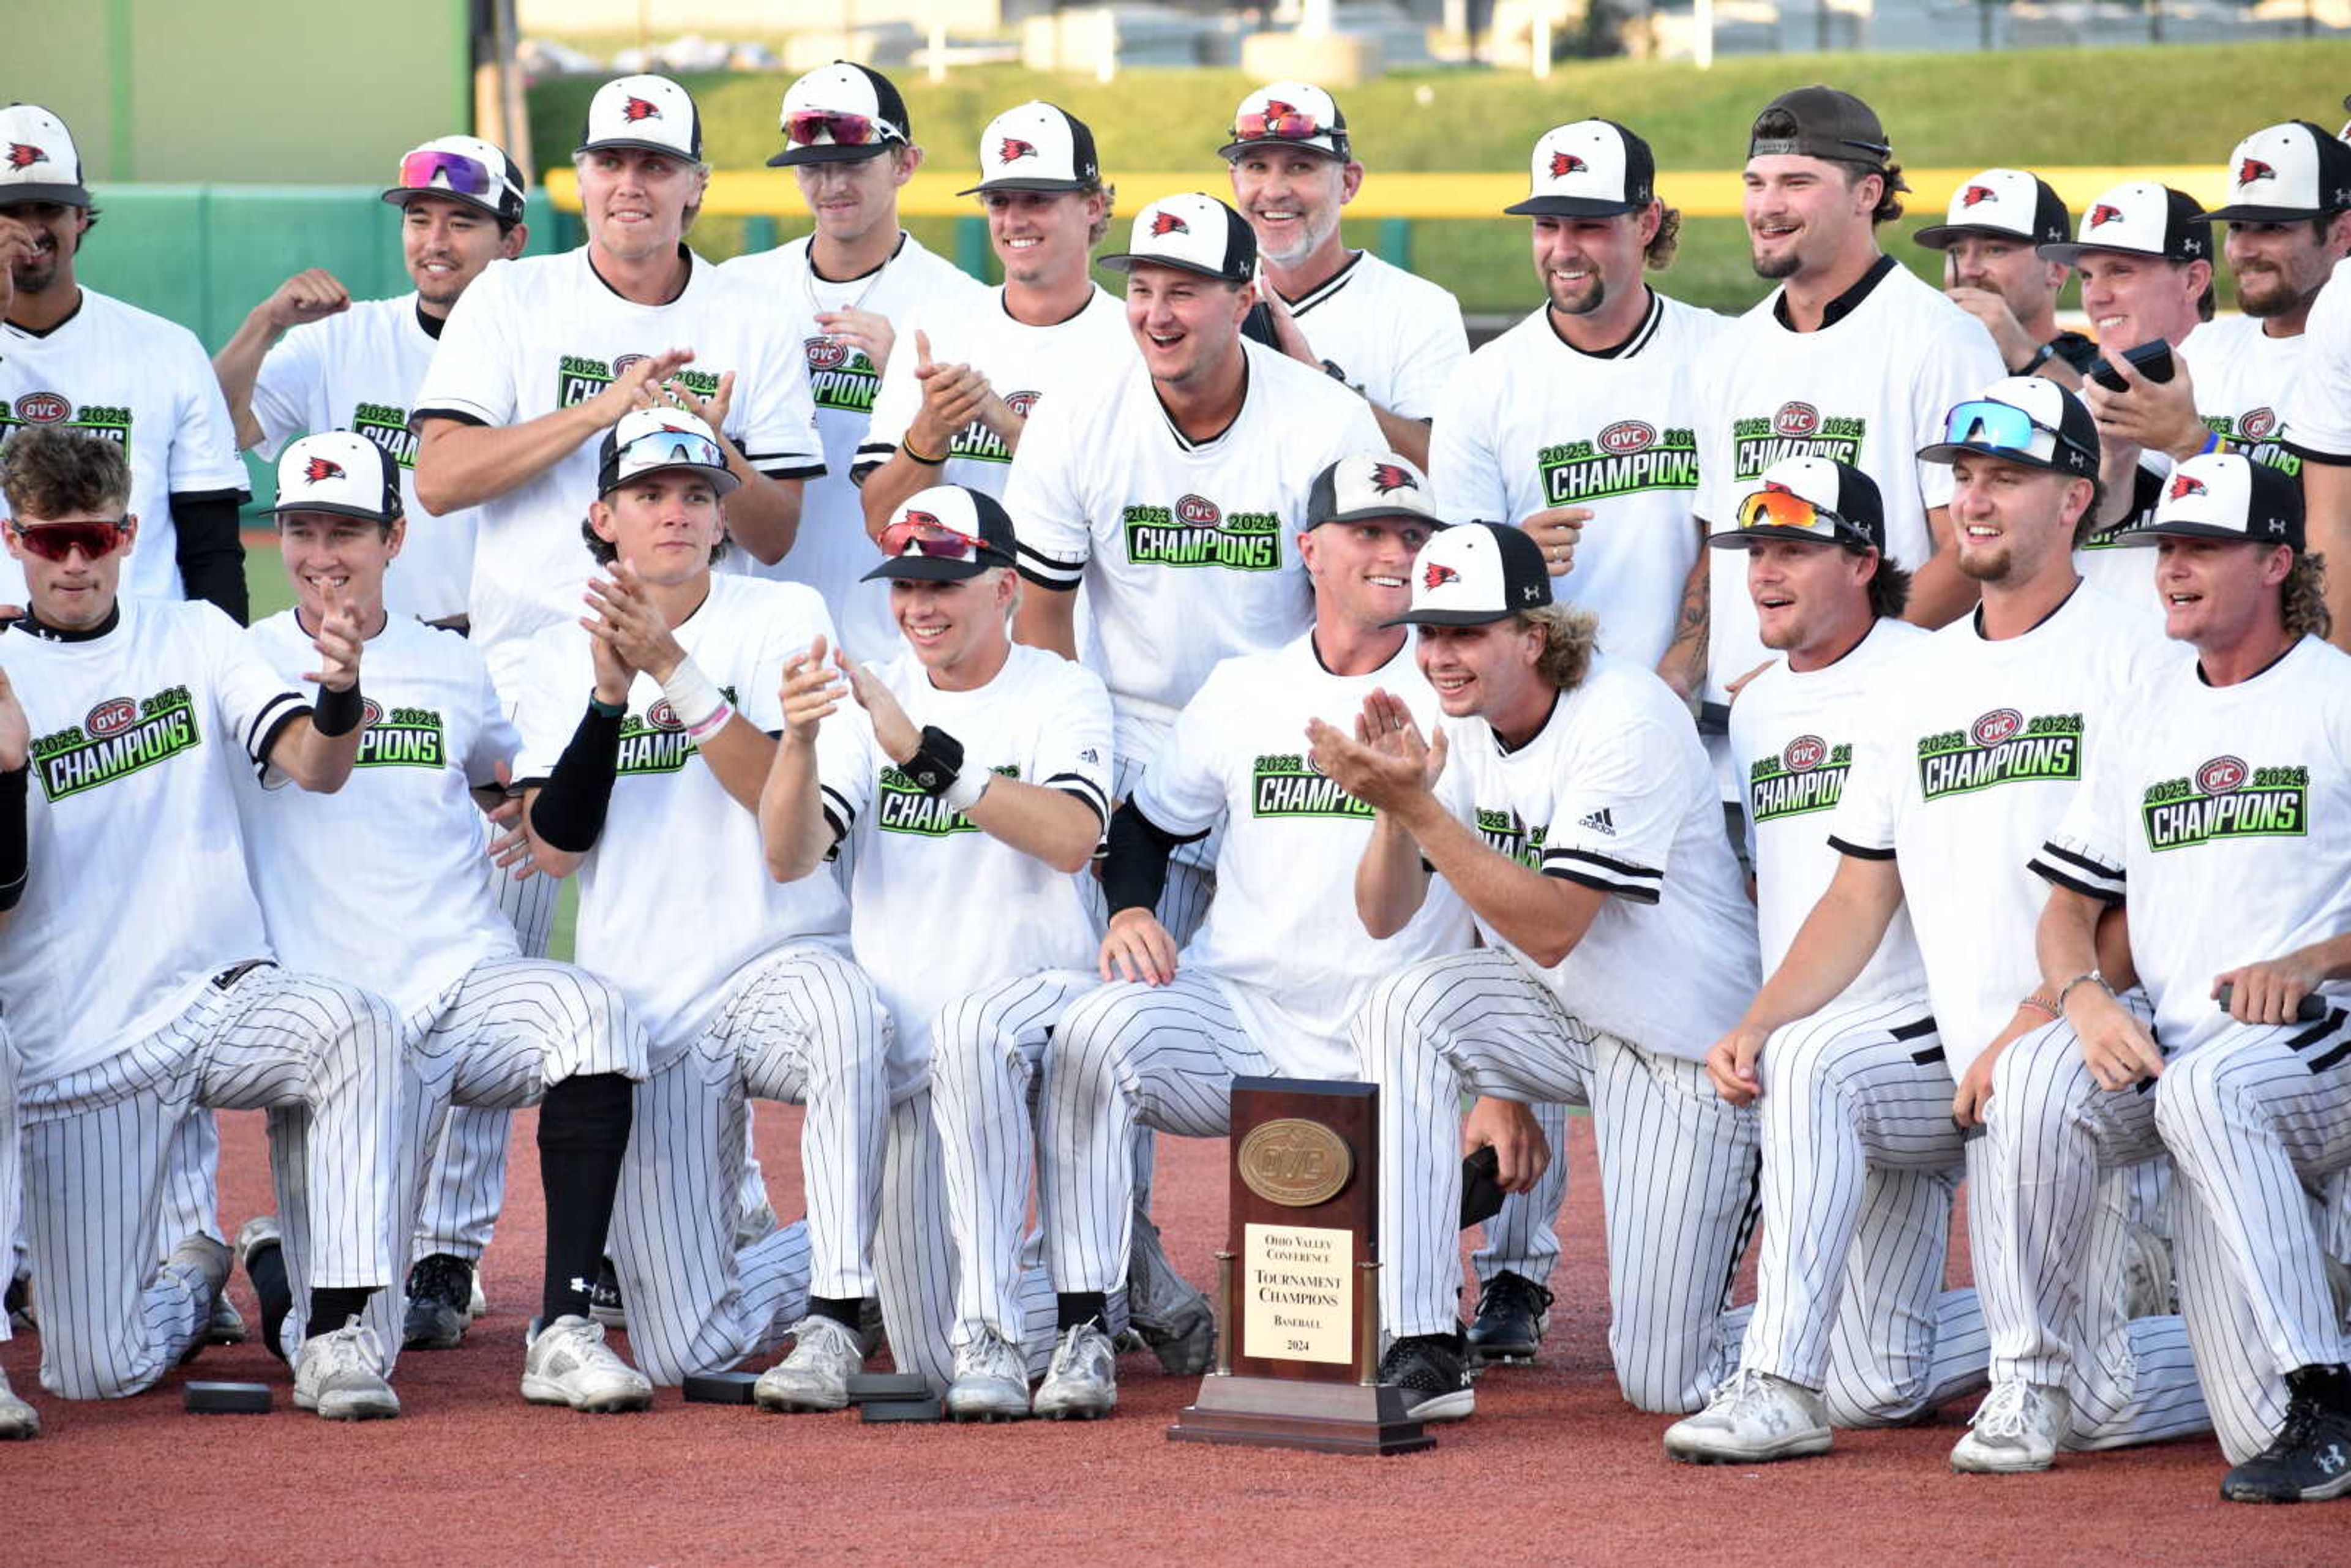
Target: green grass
2168,105
265,582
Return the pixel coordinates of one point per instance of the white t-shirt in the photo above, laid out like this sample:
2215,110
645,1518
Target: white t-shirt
1791,740
1396,338
2317,408
1532,423
2223,816
382,883
1868,389
1282,939
1978,750
113,369
832,552
938,908
530,337
675,897
360,371
136,894
1186,551
1615,792
2241,376
1022,363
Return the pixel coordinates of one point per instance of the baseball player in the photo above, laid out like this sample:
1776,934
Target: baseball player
940,417
71,357
1270,980
139,710
308,359
2218,820
412,921
17,1419
2316,414
1570,804
1852,1324
752,995
1992,270
1392,336
1852,358
841,293
983,767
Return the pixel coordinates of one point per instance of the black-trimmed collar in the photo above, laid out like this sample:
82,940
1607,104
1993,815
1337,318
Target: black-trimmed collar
685,255
2291,650
1324,289
1631,345
1975,616
895,251
1185,443
81,297
32,626
428,325
1845,304
1506,749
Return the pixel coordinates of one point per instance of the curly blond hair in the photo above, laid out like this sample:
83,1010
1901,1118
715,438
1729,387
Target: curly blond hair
1570,636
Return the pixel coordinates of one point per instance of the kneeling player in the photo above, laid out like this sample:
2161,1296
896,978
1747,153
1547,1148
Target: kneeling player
381,885
743,987
139,710
1569,802
2220,815
976,791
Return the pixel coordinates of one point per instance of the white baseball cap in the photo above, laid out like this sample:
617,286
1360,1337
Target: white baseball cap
650,113
461,169
649,440
1366,485
840,113
41,163
2001,204
1475,574
1591,169
1036,146
341,472
2286,172
1193,232
2142,218
1288,114
2225,496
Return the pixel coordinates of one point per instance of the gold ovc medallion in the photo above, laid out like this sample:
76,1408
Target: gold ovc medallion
1295,1163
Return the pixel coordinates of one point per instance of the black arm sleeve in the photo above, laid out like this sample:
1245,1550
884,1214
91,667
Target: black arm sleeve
211,556
14,848
1134,873
568,813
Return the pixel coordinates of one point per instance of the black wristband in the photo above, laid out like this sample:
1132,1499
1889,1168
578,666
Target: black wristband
338,713
2041,356
604,709
937,761
568,813
1134,863
14,851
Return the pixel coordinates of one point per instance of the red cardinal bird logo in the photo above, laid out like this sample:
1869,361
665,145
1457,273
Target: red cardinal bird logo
1566,163
1275,108
2185,485
1773,487
320,470
1975,193
1012,147
24,155
2253,169
2102,213
638,109
1437,576
1387,478
1168,223
924,520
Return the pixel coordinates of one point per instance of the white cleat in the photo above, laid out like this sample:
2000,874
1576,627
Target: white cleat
991,1382
815,1376
570,1363
477,1301
2014,1431
340,1375
17,1419
1082,1383
1752,1419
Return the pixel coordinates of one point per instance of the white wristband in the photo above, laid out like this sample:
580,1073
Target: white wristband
692,698
969,786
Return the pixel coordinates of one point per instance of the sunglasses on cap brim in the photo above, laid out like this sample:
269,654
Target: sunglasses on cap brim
933,540
825,127
57,541
659,449
1786,510
1289,125
453,173
1986,425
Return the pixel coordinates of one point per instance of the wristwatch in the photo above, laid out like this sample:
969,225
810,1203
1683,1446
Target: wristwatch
2041,356
2087,977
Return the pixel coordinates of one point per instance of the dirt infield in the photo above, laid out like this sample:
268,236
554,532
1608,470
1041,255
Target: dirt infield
1552,1469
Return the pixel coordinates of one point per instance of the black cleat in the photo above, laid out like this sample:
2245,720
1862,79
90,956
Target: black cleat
2310,1459
1512,1312
1433,1375
439,1287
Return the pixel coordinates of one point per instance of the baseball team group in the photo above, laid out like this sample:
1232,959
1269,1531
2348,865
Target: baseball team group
1872,748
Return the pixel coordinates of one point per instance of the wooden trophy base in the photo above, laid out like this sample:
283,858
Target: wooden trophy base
1283,1413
